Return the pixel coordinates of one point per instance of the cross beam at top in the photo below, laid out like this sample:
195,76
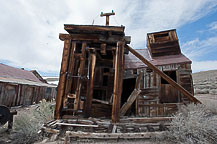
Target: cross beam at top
107,16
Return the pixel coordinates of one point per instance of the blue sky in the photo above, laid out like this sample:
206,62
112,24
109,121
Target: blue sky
30,28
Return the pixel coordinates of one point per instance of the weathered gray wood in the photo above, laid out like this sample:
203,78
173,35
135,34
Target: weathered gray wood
147,120
163,75
143,135
77,125
129,102
95,38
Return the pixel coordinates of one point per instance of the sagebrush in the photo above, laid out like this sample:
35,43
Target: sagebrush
193,124
26,126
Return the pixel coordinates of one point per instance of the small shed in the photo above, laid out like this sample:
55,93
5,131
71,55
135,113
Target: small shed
21,87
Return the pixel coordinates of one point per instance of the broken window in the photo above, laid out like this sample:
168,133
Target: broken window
161,37
171,74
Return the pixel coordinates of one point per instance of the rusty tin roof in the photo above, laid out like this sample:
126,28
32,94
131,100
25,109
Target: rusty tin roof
15,73
132,62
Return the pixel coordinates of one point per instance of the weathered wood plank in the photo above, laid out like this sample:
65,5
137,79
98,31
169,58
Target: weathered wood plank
147,120
97,38
129,102
80,73
118,79
70,73
89,96
93,28
76,125
163,75
143,135
62,78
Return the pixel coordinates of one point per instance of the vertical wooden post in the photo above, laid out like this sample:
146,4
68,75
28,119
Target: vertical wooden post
89,96
62,79
118,78
80,74
107,21
70,73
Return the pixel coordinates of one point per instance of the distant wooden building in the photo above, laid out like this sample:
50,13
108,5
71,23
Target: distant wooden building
20,87
102,76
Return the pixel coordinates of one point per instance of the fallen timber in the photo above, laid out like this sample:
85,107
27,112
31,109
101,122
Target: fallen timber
93,128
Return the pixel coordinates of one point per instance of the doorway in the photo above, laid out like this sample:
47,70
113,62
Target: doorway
128,87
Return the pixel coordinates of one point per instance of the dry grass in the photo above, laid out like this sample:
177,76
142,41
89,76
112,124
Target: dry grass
193,124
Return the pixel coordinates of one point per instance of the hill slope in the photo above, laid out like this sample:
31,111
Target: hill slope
205,82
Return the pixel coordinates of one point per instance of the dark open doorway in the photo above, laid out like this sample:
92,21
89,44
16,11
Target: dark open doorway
168,93
128,87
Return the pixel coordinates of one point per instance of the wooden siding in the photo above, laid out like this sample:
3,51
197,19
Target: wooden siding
16,94
158,99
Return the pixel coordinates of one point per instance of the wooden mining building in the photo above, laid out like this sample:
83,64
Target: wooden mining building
102,76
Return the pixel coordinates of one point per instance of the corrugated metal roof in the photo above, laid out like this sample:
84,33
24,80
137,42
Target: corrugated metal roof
22,81
11,72
132,62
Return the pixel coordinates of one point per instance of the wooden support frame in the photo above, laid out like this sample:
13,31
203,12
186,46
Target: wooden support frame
98,38
89,96
70,73
163,75
118,79
80,73
62,79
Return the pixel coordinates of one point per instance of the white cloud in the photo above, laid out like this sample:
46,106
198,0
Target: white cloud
29,29
204,65
213,26
196,48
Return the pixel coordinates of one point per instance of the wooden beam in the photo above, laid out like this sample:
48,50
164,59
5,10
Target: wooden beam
93,29
80,73
89,96
146,120
104,136
118,79
62,79
76,125
97,38
163,75
69,74
130,101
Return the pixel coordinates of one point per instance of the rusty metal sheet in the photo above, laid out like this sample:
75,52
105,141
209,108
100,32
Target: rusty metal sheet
132,62
11,72
25,82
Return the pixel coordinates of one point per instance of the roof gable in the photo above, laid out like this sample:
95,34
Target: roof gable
11,72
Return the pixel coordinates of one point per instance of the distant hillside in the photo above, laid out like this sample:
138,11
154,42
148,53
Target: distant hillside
205,75
205,82
51,80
